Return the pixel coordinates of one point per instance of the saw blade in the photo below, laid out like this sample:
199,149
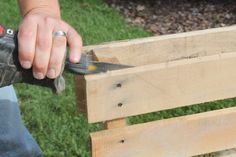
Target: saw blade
99,67
86,66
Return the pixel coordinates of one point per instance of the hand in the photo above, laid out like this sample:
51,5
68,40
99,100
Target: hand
42,51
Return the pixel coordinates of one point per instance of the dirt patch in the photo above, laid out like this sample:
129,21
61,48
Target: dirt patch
167,17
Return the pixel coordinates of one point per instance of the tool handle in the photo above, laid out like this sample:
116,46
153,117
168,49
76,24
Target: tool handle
11,71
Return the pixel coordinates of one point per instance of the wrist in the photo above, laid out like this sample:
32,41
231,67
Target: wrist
43,11
46,7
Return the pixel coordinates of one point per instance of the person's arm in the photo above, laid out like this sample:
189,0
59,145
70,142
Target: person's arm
38,48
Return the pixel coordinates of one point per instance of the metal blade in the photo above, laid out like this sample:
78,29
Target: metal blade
92,67
104,67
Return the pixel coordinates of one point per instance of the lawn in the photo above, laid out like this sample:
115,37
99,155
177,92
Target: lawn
52,119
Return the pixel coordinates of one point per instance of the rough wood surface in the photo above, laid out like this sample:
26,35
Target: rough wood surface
116,123
162,86
177,137
159,49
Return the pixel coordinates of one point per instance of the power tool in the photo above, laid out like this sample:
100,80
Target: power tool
11,71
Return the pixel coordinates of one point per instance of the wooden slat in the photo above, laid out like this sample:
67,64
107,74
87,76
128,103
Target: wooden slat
159,49
177,137
149,88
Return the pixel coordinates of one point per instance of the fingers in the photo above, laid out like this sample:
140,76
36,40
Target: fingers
59,49
75,44
42,49
26,41
42,52
57,55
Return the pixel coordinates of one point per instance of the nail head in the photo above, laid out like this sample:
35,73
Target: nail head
119,85
120,104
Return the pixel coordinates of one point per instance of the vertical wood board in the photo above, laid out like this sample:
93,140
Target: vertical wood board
115,123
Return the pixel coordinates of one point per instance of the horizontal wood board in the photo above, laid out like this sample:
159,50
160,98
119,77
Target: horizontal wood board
177,137
150,88
153,50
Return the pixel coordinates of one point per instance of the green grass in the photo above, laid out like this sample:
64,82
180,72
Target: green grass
52,119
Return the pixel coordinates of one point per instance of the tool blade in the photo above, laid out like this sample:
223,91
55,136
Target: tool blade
92,67
105,67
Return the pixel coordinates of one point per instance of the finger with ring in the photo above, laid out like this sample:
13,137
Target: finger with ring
58,52
59,33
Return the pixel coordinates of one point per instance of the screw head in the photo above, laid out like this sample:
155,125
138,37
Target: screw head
119,85
120,104
122,141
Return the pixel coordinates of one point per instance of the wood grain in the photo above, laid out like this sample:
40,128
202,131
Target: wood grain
115,123
150,88
153,50
177,137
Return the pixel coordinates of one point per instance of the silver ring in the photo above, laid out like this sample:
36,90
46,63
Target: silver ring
59,33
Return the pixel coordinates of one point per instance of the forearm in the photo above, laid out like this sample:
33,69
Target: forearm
49,7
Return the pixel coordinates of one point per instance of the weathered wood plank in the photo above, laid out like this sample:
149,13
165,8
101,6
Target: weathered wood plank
153,50
177,137
150,88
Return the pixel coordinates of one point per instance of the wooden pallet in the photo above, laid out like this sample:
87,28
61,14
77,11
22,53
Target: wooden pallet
169,71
